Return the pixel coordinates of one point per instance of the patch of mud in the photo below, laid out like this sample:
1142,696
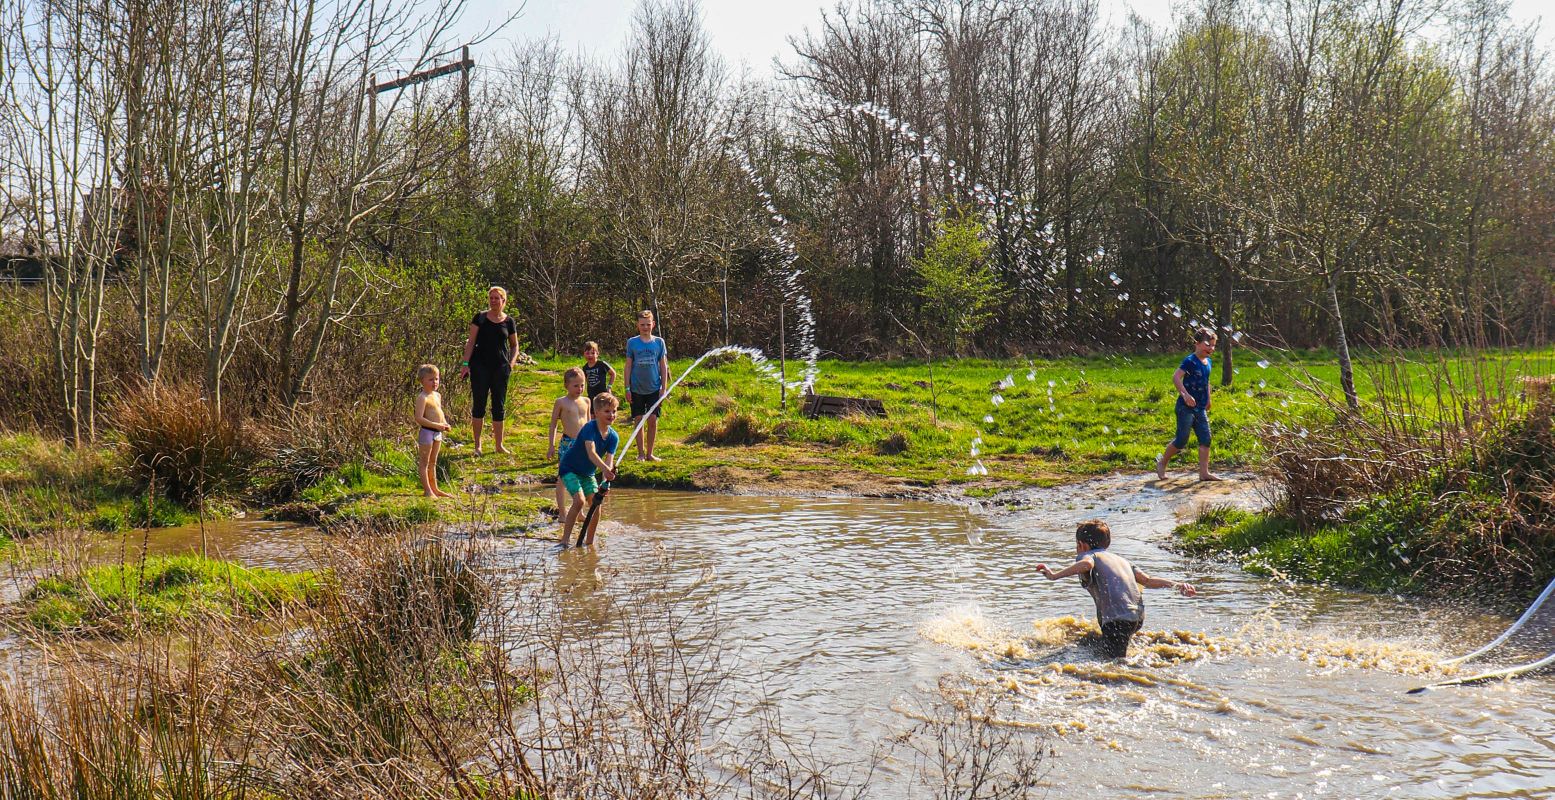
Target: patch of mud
738,480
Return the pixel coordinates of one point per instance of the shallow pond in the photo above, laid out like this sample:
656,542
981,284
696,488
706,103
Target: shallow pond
850,612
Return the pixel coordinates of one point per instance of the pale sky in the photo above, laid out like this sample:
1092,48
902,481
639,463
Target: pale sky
751,32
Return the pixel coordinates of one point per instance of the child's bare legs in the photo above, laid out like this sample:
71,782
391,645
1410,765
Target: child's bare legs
561,498
424,456
475,433
593,524
645,439
1167,455
1204,473
571,516
437,447
496,436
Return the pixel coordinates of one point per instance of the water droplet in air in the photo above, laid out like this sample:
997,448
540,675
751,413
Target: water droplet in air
988,418
1262,364
1113,276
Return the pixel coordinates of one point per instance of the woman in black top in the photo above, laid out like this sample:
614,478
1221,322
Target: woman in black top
490,354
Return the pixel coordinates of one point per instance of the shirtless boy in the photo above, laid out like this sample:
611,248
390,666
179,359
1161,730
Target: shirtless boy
570,411
433,423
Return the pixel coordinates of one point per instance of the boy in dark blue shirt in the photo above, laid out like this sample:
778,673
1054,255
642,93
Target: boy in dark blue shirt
1192,382
593,451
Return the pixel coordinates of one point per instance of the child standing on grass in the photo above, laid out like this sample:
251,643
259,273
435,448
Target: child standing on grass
647,373
429,439
594,451
601,376
570,411
1114,584
1192,382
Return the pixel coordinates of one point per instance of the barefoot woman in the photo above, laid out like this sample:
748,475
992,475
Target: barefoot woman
490,353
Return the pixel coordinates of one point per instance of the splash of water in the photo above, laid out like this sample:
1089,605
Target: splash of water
788,268
758,359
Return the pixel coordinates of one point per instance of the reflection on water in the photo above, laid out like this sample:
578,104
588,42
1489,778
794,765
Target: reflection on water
847,613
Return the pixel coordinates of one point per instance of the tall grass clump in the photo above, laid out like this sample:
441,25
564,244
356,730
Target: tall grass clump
735,428
176,440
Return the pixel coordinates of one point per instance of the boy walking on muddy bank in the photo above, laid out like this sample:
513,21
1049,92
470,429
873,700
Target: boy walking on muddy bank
1114,584
1192,408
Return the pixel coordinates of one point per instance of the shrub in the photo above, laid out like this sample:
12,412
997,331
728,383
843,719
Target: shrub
736,428
191,451
308,449
893,445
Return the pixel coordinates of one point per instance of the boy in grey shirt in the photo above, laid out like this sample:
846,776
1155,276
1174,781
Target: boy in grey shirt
1113,583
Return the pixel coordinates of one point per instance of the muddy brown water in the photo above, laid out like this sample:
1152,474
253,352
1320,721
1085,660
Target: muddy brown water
849,612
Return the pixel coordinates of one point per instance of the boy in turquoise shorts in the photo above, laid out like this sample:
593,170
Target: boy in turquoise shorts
593,451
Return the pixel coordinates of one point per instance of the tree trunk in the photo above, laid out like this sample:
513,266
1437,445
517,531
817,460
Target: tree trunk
1341,343
1227,283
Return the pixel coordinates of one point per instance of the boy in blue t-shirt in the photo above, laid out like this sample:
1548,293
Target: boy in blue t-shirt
647,373
593,450
1192,382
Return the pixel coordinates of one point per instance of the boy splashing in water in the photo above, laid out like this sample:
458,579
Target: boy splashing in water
1114,584
594,451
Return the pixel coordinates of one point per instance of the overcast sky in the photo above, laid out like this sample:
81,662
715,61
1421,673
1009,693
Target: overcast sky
747,31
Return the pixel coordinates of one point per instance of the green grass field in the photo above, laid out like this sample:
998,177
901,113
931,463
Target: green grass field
724,428
1060,420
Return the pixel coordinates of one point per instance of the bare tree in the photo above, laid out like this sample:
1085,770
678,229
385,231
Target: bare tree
655,133
336,168
59,108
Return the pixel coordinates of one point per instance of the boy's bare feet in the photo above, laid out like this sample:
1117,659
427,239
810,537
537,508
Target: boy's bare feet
428,494
1210,476
501,449
476,452
653,458
1160,467
441,493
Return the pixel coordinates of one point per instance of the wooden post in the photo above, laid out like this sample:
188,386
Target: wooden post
782,360
464,102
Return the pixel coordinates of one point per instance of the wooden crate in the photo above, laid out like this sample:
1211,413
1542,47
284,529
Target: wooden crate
825,405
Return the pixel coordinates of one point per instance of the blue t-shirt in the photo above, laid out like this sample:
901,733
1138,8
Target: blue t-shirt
577,459
1195,379
645,377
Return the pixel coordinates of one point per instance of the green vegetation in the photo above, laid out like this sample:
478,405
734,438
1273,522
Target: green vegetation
1479,521
1268,544
958,290
45,485
120,598
724,428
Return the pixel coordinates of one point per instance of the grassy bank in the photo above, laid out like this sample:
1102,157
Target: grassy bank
1481,521
116,599
725,429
